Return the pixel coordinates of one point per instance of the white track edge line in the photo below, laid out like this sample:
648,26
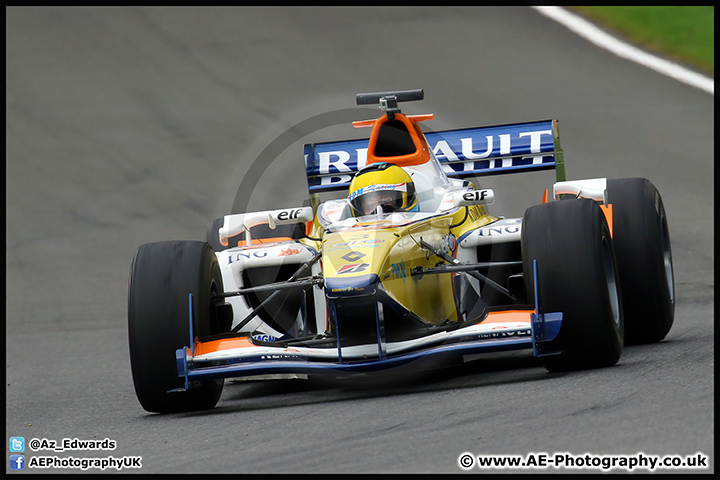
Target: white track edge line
593,34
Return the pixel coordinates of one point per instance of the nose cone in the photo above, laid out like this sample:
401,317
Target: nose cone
358,285
353,260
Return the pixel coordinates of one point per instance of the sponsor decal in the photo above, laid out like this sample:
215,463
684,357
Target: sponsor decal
333,211
278,357
501,334
336,161
353,256
474,213
375,187
475,196
289,214
368,243
289,251
352,268
239,256
398,270
347,289
526,146
448,243
490,231
265,338
448,149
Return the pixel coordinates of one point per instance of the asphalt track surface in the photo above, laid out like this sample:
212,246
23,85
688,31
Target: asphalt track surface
131,125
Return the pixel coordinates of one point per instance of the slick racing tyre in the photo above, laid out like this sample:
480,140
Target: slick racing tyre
644,259
577,276
162,276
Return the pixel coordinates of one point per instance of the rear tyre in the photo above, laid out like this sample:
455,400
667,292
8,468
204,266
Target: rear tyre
162,276
644,259
577,276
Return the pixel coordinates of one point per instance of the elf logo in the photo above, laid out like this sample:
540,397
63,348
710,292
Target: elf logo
289,214
352,268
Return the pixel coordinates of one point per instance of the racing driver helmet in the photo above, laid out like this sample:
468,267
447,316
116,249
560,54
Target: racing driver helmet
382,185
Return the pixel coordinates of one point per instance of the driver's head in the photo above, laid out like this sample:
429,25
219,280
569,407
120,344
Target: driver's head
385,185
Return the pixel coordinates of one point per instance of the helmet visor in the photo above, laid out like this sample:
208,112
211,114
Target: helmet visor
389,200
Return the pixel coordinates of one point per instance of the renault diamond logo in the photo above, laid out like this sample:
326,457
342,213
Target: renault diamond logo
353,256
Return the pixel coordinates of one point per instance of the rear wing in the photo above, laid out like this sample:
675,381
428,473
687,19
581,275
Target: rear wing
469,152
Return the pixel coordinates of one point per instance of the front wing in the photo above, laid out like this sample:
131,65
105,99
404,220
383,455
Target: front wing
498,331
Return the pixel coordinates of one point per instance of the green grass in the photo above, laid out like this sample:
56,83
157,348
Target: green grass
683,34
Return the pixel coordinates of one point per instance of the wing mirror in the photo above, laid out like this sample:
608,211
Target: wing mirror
593,188
243,222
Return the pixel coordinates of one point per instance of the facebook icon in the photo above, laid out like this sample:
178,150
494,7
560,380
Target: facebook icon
17,462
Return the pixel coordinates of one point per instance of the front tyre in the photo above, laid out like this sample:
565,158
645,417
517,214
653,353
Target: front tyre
577,276
162,276
644,259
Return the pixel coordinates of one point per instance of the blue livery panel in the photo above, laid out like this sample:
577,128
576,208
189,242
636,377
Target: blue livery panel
470,152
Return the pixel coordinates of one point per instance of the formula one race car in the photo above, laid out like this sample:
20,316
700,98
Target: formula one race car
406,265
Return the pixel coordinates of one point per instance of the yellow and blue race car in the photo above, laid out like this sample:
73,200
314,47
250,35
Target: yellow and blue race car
404,264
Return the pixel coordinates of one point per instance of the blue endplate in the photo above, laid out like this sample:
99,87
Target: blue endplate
545,326
181,356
